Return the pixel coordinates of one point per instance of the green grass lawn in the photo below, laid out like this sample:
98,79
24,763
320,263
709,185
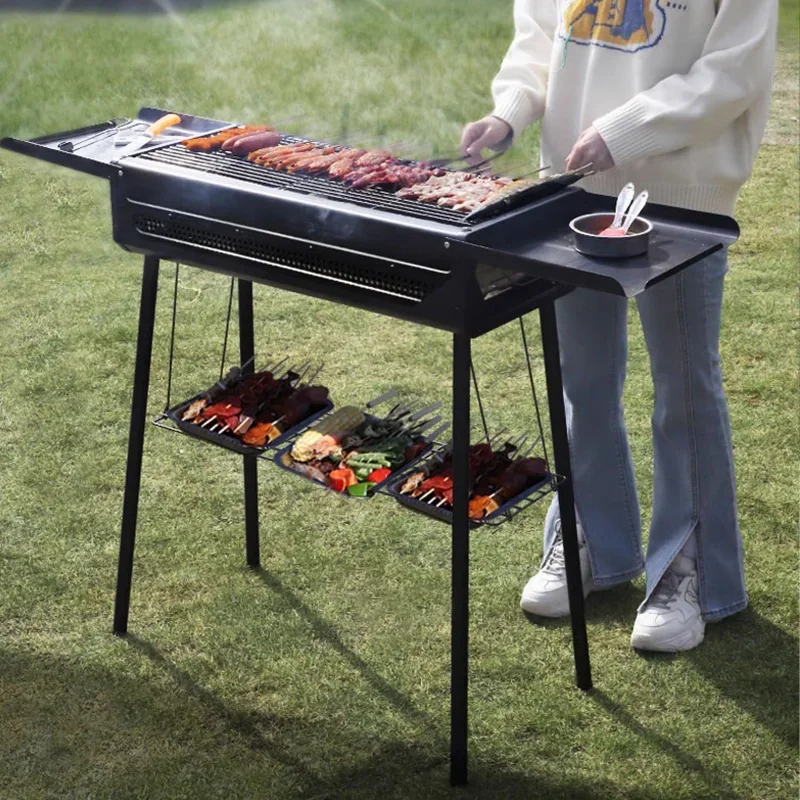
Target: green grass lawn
325,675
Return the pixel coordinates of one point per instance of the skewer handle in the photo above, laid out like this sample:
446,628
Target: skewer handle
529,174
423,411
416,430
313,376
382,398
245,420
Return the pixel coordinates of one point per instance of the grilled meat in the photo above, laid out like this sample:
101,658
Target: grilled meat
217,140
361,169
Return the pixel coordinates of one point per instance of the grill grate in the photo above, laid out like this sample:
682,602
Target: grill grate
231,166
367,276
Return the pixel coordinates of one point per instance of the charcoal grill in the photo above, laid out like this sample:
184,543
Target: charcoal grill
372,250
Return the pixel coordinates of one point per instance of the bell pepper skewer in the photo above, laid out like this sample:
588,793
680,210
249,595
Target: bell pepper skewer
211,419
244,421
223,429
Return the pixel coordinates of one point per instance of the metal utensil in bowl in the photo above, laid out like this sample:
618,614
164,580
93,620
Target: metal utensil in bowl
633,214
623,202
587,232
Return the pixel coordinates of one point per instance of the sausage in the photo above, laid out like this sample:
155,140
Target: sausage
244,145
239,133
208,143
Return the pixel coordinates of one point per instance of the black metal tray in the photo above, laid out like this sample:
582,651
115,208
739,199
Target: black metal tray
231,442
378,486
502,514
537,240
92,150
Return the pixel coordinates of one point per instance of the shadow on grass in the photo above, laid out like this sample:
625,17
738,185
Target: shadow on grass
249,726
748,658
717,783
754,663
325,631
75,730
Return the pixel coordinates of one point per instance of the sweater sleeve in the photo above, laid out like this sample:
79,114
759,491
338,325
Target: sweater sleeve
682,110
520,88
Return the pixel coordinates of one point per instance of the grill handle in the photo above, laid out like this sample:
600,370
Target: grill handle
160,125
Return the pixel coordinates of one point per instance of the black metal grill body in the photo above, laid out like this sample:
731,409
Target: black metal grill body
367,258
366,248
372,251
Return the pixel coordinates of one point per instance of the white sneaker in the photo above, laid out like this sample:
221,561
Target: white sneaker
671,620
545,594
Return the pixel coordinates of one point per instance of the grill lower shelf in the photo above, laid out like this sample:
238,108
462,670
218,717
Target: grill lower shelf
231,442
507,511
280,459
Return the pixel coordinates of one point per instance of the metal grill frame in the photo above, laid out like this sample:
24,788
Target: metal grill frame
526,241
370,259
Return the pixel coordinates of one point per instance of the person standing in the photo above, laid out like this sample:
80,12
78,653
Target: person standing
672,96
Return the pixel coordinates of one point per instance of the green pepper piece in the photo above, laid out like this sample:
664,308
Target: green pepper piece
362,489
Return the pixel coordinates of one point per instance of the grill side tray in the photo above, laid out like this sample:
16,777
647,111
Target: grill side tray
91,149
537,241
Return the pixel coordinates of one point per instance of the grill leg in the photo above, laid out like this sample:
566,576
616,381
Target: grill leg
459,651
566,498
133,473
246,350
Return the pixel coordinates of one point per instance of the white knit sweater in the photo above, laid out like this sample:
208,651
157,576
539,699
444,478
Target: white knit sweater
679,90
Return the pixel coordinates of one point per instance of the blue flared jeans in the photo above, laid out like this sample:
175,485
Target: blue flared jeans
694,488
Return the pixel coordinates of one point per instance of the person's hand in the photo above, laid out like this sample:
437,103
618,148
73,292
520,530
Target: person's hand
486,132
590,149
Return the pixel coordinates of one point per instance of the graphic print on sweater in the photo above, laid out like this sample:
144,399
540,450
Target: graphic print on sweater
627,25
